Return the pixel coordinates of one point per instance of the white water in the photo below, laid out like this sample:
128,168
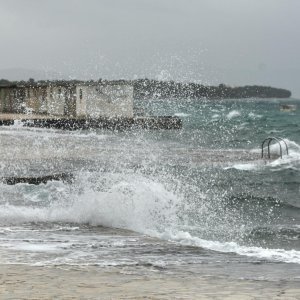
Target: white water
151,205
181,114
281,255
290,160
233,114
128,201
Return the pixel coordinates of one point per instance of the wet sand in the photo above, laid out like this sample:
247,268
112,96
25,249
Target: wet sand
31,282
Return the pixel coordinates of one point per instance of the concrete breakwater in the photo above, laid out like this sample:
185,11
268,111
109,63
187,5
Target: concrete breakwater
67,123
66,177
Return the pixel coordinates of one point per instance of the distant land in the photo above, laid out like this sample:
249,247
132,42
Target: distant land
148,89
155,89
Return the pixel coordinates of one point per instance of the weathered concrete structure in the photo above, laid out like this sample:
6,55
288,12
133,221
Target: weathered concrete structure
76,105
11,99
34,99
104,100
83,99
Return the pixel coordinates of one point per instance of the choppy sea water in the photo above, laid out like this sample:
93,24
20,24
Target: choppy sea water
197,200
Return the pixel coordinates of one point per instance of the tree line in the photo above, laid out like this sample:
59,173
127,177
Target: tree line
150,88
147,88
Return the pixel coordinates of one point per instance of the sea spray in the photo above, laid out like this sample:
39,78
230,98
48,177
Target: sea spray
147,182
161,207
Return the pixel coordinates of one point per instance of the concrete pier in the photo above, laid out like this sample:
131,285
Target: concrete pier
66,177
67,123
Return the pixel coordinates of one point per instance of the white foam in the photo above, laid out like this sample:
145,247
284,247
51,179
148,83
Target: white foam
254,116
287,161
215,117
18,130
233,114
39,247
244,167
129,201
181,114
288,256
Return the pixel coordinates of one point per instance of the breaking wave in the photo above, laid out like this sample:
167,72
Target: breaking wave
164,208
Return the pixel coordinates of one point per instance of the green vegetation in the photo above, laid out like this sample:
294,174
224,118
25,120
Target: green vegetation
149,88
145,88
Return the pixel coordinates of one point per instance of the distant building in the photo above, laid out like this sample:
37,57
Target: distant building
82,99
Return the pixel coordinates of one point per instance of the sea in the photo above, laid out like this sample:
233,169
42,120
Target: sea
196,201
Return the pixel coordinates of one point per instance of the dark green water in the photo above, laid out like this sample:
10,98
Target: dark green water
200,195
256,206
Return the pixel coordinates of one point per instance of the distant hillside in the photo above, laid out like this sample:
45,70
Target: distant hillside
146,89
149,89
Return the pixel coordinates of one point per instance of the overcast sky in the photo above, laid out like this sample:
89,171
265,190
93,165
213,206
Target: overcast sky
235,42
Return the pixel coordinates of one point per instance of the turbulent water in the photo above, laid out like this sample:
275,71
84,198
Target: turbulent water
200,199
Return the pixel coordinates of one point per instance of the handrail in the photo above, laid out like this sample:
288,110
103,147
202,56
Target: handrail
278,140
286,146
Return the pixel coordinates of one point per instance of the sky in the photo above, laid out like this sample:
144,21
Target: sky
235,42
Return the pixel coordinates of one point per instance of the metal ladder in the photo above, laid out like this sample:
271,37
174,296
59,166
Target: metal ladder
270,140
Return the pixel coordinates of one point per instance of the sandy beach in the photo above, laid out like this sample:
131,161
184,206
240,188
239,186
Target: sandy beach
30,282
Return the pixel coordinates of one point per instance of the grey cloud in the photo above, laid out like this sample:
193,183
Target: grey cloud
207,41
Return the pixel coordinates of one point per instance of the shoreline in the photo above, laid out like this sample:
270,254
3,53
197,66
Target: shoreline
92,282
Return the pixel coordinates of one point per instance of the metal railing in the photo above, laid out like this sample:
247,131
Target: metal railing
270,140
